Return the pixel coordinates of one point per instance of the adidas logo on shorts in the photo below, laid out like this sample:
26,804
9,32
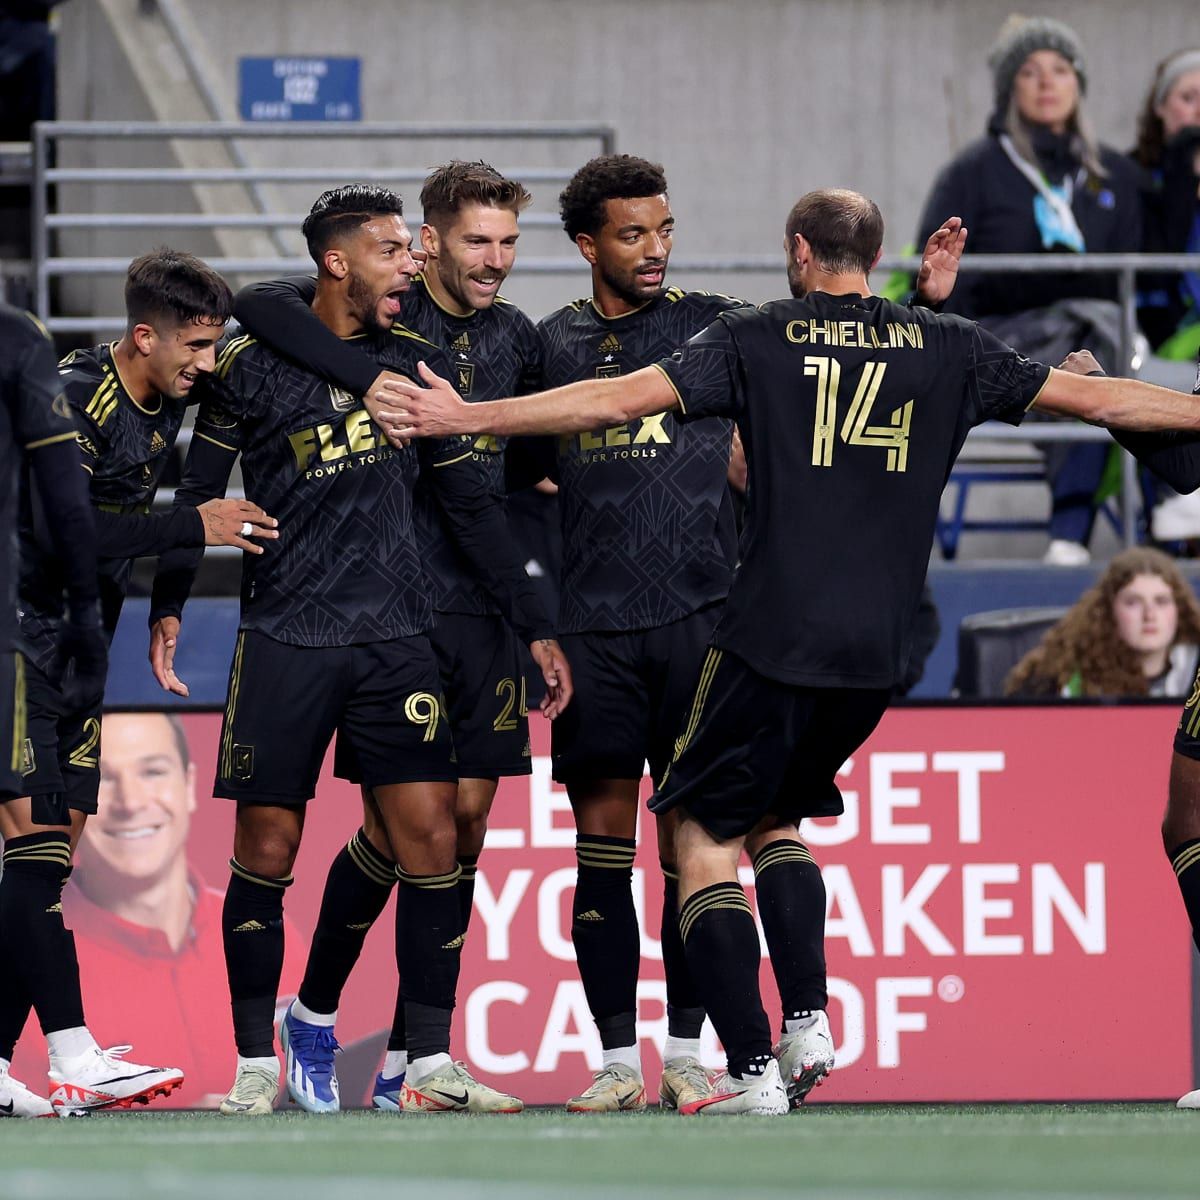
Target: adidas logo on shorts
250,926
590,915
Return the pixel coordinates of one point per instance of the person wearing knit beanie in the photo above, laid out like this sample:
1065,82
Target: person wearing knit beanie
1020,37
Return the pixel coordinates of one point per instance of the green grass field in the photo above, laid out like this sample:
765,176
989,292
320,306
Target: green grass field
968,1151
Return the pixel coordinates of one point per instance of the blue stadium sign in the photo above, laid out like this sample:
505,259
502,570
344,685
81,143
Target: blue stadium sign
300,89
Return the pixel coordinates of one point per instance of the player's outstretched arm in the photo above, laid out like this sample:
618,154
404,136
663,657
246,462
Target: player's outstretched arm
1118,403
407,410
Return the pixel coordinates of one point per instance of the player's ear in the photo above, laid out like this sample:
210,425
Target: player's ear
875,260
801,250
334,261
143,337
587,247
430,242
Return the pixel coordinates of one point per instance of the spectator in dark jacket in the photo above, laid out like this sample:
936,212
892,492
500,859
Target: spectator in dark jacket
1040,182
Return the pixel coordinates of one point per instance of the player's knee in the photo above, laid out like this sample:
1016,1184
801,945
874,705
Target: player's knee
266,843
471,829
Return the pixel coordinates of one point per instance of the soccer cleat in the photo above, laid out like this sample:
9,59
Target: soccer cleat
1190,1100
16,1100
805,1058
453,1089
387,1091
758,1095
616,1088
308,1063
103,1079
254,1092
684,1081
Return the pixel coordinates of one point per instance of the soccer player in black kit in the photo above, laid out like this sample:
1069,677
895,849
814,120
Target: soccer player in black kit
469,237
852,410
334,637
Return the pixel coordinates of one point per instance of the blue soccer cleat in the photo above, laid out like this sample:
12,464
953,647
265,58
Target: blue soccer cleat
387,1091
308,1063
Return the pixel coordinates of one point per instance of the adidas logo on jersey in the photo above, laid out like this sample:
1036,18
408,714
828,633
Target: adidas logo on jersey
250,926
157,442
610,345
590,915
462,342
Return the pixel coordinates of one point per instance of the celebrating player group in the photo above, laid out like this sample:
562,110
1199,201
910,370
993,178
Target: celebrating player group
382,412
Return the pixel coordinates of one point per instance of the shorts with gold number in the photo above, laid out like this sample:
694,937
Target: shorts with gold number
754,747
381,699
484,682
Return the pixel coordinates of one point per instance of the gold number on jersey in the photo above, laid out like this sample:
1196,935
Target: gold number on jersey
505,722
422,708
855,430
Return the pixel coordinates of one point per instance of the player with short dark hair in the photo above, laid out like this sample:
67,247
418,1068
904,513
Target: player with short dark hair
469,237
341,612
852,410
127,400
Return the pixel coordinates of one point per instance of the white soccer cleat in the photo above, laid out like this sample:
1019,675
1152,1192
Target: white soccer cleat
615,1088
1191,1100
16,1100
757,1095
254,1092
103,1079
684,1081
455,1089
805,1058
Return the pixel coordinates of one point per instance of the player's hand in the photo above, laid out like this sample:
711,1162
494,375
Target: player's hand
234,522
82,665
436,410
1081,362
382,403
939,262
556,672
164,637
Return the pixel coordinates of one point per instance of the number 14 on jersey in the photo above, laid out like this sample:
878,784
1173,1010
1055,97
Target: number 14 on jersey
855,430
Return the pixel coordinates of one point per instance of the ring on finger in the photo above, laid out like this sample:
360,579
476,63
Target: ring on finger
246,530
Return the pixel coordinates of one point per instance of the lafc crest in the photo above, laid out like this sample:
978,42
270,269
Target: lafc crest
342,400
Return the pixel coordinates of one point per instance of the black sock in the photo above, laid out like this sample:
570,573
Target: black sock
356,892
722,947
466,887
428,950
252,925
1184,858
791,906
604,931
36,867
685,1010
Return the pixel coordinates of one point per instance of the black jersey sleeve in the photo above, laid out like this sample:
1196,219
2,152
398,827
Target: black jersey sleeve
705,374
527,461
479,529
279,313
132,535
1001,384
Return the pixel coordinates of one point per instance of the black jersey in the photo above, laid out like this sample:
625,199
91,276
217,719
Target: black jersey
346,568
647,519
125,446
851,412
34,413
493,353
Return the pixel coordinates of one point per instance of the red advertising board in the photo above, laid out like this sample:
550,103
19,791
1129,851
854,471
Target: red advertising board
1002,924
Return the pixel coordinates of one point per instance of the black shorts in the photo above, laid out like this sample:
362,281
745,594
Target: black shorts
479,659
382,699
59,752
12,724
754,747
632,692
1187,736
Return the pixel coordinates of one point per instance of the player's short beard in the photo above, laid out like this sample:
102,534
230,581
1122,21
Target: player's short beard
795,282
624,287
364,304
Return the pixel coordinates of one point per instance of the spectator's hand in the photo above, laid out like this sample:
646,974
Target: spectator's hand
1081,362
164,637
556,671
939,262
84,648
232,522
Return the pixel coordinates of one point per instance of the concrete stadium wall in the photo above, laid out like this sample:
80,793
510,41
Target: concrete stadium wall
746,104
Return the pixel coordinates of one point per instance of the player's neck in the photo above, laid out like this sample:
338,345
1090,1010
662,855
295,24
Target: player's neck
333,309
609,303
133,371
847,284
440,296
165,903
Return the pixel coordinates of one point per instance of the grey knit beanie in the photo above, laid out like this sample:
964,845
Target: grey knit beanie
1019,37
